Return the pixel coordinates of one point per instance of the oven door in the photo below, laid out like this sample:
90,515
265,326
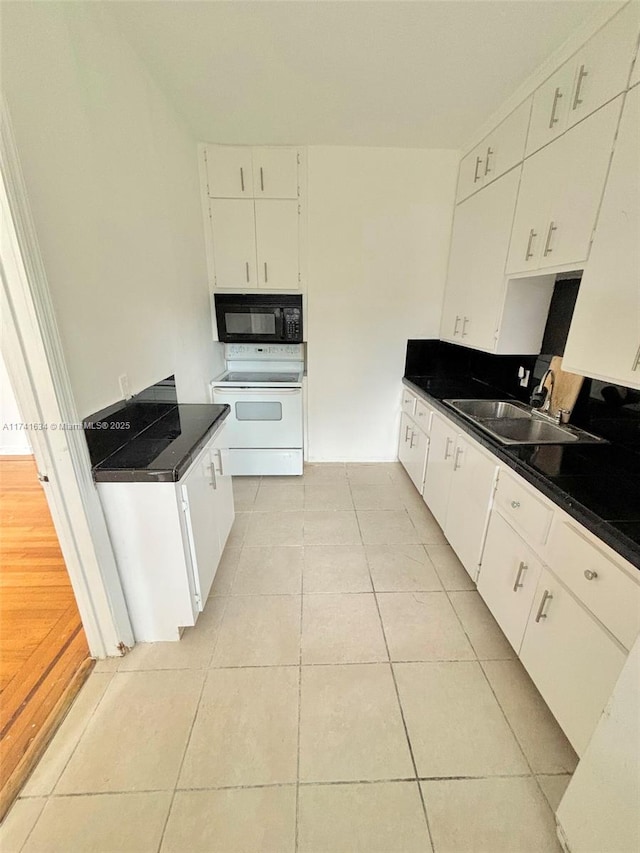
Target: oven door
246,323
262,417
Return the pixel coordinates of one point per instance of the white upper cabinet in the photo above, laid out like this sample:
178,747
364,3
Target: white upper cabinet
229,171
594,75
560,195
277,244
239,171
275,172
481,308
604,338
500,151
234,242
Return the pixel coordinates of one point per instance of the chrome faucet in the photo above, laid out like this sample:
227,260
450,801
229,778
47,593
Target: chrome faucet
540,393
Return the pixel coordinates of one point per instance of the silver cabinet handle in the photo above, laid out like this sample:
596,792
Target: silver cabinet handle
266,277
476,176
455,325
515,504
546,597
590,575
459,452
464,327
529,254
636,363
246,266
547,246
490,151
413,435
261,179
521,569
212,481
218,468
241,179
577,100
553,120
446,450
406,433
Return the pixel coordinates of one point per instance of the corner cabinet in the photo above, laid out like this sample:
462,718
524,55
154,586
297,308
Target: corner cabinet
604,338
482,308
168,539
252,207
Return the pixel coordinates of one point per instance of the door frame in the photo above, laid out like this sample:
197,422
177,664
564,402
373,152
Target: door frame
34,358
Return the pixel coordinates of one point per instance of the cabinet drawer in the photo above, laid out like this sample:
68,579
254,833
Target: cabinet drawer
408,402
523,509
610,594
423,416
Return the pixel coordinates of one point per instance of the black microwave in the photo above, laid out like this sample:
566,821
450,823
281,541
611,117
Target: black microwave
259,319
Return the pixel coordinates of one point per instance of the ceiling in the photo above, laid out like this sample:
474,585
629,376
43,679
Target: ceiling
390,73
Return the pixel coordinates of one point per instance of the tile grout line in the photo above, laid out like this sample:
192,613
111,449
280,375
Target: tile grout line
184,755
401,709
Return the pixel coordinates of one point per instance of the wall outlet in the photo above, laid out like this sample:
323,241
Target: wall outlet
124,386
524,374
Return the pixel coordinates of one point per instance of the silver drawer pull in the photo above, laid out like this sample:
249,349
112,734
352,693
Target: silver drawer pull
476,176
546,597
455,325
529,254
406,433
446,450
515,504
241,179
459,452
413,435
547,246
521,569
590,575
553,120
577,99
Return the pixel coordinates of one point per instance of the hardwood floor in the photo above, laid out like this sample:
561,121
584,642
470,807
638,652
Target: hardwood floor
42,643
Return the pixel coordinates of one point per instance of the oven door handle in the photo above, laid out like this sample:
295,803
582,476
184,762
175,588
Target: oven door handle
256,391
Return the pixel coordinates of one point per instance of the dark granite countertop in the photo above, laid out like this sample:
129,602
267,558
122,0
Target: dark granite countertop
150,442
595,484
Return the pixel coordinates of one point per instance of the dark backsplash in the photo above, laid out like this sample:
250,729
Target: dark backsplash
611,411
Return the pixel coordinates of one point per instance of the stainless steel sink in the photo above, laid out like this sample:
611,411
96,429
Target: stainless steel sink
515,423
490,408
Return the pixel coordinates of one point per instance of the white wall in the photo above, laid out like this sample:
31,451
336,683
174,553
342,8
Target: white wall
111,172
12,442
379,231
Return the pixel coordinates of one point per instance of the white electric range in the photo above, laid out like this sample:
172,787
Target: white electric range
262,384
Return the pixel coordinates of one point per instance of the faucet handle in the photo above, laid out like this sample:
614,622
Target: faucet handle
560,415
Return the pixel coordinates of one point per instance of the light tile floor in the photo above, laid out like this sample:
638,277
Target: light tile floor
345,690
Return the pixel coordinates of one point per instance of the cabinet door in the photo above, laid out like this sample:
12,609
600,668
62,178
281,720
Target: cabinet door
602,66
229,171
604,338
504,148
551,103
581,161
277,244
437,481
202,525
275,172
412,451
234,242
469,501
532,211
476,280
508,578
223,488
573,662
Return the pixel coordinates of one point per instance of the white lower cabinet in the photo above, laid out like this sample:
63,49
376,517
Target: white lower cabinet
573,662
508,578
412,450
437,480
472,483
458,486
168,539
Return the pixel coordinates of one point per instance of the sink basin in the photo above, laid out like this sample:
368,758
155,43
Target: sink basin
490,408
511,422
